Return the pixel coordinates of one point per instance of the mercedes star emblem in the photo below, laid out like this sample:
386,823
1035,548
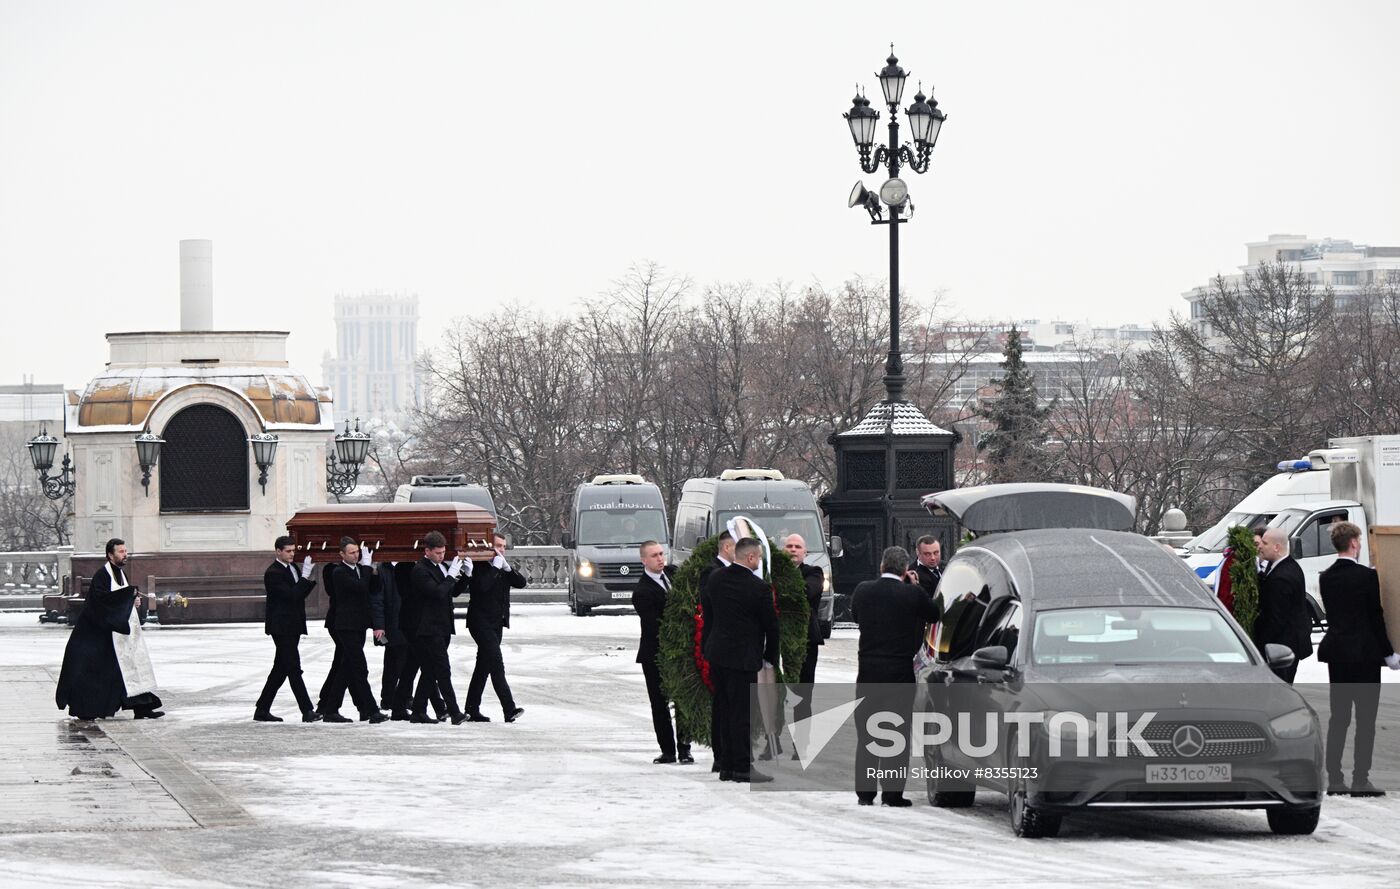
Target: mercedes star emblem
1188,741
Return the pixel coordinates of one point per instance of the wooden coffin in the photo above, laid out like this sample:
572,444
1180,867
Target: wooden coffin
395,531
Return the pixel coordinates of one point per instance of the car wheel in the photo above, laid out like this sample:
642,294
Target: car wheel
578,608
945,793
1294,822
1027,821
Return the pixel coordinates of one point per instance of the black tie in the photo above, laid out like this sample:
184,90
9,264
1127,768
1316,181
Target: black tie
665,582
295,576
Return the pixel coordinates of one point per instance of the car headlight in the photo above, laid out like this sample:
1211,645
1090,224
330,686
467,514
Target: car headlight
1297,724
585,568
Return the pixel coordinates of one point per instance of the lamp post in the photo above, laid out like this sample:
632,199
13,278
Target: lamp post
925,121
148,454
41,452
351,448
264,453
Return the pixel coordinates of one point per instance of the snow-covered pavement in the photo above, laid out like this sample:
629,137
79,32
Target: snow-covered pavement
568,795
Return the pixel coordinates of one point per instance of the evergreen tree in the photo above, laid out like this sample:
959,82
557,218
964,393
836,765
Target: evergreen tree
1015,447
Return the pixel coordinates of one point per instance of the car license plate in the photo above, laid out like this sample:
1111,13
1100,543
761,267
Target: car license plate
622,595
1189,773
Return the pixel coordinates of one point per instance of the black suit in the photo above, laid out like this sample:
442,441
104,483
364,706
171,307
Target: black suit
740,632
1284,618
649,598
488,614
433,591
400,661
928,577
1354,648
355,594
285,621
892,615
813,578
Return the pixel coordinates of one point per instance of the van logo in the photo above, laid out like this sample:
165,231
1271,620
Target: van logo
624,571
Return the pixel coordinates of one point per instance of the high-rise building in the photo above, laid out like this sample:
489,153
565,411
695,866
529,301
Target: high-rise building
1346,267
374,373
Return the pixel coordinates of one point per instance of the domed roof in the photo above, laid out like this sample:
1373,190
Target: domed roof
123,397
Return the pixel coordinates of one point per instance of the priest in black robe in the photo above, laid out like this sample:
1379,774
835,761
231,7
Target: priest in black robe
91,685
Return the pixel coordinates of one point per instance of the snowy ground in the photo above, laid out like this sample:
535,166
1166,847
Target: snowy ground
568,795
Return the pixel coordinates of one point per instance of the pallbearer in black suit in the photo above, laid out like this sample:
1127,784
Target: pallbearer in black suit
723,559
1284,617
400,663
812,577
434,585
1355,647
649,598
892,615
488,614
354,590
285,621
927,569
739,636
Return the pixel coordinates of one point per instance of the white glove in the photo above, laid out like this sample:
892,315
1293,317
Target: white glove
366,556
499,563
1392,661
306,568
455,569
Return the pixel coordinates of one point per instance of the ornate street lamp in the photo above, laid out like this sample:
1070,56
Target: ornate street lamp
925,121
41,452
264,453
148,454
351,448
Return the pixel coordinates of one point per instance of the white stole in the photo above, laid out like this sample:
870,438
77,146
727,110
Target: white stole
138,674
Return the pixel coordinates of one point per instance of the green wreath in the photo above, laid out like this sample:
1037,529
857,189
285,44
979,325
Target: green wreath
678,659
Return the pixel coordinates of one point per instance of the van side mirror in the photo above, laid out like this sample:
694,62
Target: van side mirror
1295,548
994,657
835,546
1280,657
699,540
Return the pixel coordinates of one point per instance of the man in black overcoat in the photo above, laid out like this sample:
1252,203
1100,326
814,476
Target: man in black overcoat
488,615
1284,617
739,635
1354,648
433,586
649,598
354,590
285,621
892,615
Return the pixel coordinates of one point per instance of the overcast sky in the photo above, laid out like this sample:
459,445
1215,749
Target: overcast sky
1098,160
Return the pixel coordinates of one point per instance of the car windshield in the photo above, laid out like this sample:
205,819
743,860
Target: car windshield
1124,635
779,523
1216,538
621,527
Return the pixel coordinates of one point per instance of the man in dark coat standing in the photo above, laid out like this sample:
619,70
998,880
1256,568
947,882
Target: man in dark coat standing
285,621
814,580
434,585
1283,602
354,590
1354,648
90,683
927,569
649,598
488,615
739,635
892,615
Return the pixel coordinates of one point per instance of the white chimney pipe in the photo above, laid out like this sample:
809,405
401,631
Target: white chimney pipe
197,284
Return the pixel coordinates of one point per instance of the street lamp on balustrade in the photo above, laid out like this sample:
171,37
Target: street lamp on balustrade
343,466
42,448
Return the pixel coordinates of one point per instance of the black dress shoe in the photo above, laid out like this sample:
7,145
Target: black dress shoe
896,800
310,716
665,759
865,800
442,717
751,777
513,715
151,714
335,717
374,718
477,716
399,716
726,775
422,719
461,718
716,768
685,758
1364,788
265,716
1337,786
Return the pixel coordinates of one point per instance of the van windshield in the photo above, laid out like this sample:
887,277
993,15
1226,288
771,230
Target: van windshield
1216,538
779,523
620,527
